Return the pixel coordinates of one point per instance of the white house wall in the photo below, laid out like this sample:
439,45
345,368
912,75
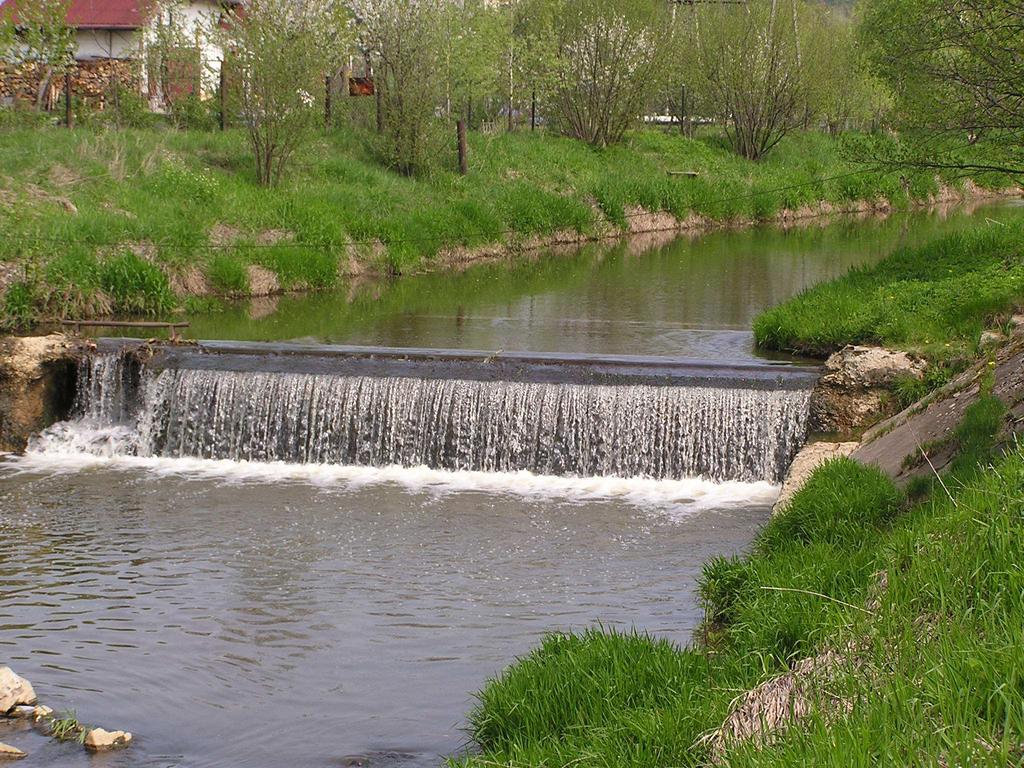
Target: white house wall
196,20
106,44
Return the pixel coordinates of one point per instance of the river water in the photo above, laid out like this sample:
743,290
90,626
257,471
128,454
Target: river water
262,614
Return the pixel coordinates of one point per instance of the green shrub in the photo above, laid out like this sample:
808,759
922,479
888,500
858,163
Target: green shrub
19,305
722,582
136,287
296,265
228,274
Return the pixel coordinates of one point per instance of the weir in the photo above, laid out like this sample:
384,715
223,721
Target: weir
453,410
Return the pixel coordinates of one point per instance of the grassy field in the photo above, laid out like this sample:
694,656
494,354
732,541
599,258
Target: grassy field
934,300
911,611
136,221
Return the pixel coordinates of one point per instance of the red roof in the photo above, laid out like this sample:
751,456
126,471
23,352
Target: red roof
108,14
102,14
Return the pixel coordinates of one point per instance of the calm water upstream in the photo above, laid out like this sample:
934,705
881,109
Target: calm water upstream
270,614
692,297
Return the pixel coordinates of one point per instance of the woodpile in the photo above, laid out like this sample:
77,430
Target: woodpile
95,81
98,79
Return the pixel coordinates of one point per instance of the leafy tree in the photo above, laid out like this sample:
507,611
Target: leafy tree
749,68
36,39
405,41
280,52
476,37
956,68
607,65
840,91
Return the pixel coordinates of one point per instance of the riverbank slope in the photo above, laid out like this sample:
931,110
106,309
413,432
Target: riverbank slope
868,618
137,222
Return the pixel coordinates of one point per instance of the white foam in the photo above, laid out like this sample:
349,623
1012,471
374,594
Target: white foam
676,497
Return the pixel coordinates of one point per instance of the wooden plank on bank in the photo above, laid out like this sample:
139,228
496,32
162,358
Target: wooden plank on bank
171,327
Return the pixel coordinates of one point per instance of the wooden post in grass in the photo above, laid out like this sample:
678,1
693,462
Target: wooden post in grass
460,130
380,105
533,110
327,101
69,115
223,93
682,111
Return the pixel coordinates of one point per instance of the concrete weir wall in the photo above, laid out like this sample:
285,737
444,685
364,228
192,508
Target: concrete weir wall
37,384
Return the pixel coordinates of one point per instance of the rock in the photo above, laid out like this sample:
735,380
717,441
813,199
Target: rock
7,752
41,712
990,339
20,711
14,690
857,367
99,740
856,388
1017,322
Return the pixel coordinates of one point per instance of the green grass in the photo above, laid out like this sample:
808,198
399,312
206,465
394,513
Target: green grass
68,728
188,200
935,300
935,673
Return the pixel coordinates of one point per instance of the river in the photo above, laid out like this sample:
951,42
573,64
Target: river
267,613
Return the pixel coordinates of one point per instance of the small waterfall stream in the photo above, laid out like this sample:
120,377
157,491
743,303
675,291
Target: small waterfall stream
585,430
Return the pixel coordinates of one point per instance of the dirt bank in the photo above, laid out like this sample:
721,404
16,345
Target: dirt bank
37,384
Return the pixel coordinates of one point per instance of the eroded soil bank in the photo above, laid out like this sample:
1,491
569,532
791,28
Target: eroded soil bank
37,384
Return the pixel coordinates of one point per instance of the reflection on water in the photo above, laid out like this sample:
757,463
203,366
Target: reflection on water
269,623
693,297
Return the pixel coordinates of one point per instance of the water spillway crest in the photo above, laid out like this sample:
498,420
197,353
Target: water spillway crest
629,427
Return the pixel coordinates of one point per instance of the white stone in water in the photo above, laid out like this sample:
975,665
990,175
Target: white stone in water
21,711
99,740
14,690
7,752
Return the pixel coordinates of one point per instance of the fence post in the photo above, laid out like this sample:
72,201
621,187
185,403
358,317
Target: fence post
380,105
682,111
460,129
69,115
223,95
327,101
533,110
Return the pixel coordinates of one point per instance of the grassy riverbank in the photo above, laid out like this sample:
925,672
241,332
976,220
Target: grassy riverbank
137,222
892,626
935,300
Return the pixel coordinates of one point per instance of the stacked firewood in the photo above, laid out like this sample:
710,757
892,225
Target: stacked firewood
96,81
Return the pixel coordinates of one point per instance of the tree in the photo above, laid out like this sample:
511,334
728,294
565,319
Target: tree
38,41
608,56
475,39
957,72
404,39
749,68
840,90
280,53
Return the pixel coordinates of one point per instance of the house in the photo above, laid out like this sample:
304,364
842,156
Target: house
160,49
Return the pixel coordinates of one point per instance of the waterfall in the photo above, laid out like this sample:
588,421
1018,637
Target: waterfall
628,430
